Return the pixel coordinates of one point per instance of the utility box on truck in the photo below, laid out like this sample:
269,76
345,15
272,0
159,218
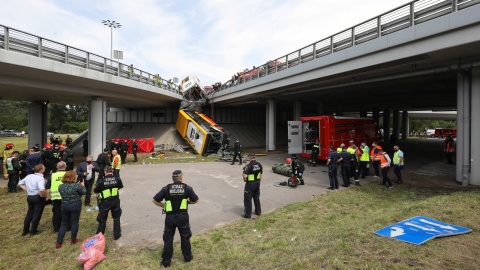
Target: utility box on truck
328,130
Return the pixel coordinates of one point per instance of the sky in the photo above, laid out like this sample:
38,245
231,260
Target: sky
212,39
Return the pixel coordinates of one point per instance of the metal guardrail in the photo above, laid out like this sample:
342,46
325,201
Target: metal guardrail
23,42
405,16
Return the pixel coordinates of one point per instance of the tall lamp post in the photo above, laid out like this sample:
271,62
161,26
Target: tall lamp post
111,24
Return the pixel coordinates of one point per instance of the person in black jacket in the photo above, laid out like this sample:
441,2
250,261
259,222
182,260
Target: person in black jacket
124,151
102,161
13,167
107,190
86,173
134,150
237,151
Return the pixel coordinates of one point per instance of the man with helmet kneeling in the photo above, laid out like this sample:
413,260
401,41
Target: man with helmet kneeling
297,171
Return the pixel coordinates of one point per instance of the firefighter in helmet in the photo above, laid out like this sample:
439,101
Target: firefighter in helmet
297,171
6,154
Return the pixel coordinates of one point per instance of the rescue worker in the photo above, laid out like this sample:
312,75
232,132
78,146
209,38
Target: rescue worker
332,163
102,161
68,140
54,195
86,174
13,170
346,160
177,197
398,163
297,170
107,190
237,151
449,148
6,154
314,155
364,159
68,156
354,168
375,157
48,160
56,154
339,150
134,150
385,165
116,163
252,176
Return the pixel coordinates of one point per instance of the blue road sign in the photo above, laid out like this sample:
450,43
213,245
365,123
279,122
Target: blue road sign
420,229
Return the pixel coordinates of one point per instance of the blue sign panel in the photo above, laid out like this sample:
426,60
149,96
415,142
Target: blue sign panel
420,229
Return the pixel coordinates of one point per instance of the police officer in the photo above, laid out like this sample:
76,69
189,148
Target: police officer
13,169
134,150
177,197
346,160
68,157
332,163
252,175
107,190
124,151
48,160
102,161
314,155
237,151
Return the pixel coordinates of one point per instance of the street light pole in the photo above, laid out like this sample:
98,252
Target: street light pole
111,24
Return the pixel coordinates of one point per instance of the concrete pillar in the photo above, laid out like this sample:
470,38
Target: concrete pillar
463,127
321,108
97,122
297,110
475,128
37,123
386,124
405,125
396,123
363,111
270,125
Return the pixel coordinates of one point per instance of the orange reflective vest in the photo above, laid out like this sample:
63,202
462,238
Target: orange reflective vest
384,161
373,156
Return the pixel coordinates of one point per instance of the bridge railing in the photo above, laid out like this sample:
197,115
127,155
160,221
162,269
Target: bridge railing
22,42
405,16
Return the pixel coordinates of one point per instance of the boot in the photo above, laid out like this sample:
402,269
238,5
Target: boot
314,164
302,183
309,164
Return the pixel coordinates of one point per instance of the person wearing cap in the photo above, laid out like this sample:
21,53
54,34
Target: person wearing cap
177,196
314,155
237,151
107,189
86,173
102,161
13,169
332,163
252,175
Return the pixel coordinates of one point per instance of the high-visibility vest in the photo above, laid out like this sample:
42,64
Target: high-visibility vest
365,156
373,156
383,161
9,164
396,158
351,150
339,150
118,161
176,200
56,181
109,192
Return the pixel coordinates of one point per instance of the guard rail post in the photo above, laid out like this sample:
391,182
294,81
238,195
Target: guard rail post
5,38
412,14
40,47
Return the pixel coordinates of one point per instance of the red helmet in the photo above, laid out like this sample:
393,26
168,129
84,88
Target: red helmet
61,145
118,140
48,146
288,160
9,146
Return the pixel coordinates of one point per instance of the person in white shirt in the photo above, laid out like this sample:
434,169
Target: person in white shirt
34,185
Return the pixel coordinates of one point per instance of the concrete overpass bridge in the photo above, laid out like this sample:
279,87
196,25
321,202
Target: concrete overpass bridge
421,56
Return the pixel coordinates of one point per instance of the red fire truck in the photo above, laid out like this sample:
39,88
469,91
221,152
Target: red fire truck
443,132
329,130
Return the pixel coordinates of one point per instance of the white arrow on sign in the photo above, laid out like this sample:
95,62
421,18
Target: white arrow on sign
418,226
448,227
396,231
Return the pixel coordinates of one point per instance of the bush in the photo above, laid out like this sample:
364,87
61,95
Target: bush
74,127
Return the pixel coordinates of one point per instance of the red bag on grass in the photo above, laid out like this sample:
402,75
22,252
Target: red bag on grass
92,251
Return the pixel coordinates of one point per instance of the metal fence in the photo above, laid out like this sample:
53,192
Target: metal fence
22,42
408,15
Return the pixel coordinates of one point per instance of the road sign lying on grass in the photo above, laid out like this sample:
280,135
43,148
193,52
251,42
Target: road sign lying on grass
420,229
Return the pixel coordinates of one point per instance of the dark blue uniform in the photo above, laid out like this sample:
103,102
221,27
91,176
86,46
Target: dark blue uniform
332,168
107,189
176,210
346,167
254,171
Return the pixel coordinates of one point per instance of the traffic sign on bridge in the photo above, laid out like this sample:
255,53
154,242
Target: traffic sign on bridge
420,229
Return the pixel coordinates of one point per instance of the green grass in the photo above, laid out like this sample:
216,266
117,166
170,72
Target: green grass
332,231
